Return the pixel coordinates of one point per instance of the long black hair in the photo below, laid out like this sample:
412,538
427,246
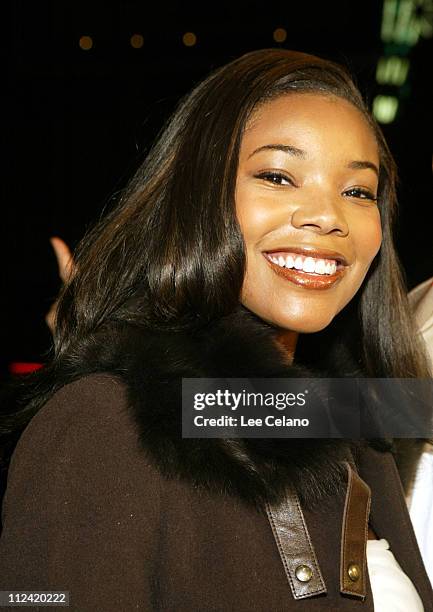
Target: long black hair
170,255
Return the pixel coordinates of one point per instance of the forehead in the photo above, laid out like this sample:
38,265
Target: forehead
313,122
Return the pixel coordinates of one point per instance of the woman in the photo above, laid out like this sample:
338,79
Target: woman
273,157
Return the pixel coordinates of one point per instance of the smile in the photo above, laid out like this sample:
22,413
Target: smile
306,271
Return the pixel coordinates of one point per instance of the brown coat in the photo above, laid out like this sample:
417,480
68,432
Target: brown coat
127,523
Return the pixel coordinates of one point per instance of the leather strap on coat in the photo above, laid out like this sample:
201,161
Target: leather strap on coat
295,548
354,535
297,552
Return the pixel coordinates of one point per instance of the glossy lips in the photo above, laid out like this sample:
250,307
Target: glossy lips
309,280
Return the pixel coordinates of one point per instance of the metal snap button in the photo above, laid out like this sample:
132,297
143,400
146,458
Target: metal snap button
303,573
354,572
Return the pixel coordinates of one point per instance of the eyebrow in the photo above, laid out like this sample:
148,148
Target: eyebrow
295,152
364,165
280,147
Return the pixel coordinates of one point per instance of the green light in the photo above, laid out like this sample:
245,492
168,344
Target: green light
385,108
388,19
402,31
392,70
414,31
425,18
404,21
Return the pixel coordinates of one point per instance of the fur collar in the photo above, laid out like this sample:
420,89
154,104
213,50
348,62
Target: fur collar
152,363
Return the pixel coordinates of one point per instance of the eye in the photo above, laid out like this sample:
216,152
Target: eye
361,193
276,178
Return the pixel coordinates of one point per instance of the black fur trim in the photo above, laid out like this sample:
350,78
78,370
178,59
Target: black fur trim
152,363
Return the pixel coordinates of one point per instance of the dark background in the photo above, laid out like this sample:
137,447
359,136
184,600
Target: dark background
76,123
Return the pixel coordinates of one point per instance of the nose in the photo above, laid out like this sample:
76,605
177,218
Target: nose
322,215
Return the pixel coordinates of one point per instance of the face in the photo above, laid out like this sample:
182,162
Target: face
306,204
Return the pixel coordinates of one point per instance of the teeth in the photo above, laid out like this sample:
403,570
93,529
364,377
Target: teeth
320,266
306,264
309,264
299,263
290,261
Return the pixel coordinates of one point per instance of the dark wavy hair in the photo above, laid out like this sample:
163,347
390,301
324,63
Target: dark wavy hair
170,255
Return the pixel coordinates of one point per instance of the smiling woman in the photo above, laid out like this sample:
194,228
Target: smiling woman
307,206
254,242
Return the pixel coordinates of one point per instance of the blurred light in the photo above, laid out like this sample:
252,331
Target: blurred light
388,19
280,35
86,43
136,41
385,108
413,31
404,21
403,25
392,70
19,367
189,39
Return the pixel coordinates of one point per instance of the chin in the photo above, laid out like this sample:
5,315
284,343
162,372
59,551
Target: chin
305,325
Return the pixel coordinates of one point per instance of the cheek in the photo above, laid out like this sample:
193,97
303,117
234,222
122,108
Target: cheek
368,242
252,216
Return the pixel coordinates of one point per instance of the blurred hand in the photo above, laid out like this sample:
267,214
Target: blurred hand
65,264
